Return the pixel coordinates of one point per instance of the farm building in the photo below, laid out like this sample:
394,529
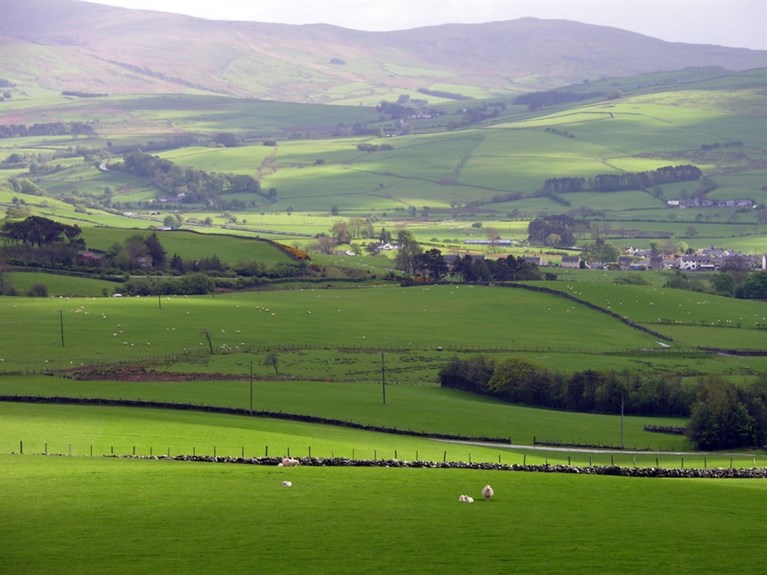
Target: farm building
571,262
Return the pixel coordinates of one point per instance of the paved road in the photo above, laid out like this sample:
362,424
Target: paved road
595,450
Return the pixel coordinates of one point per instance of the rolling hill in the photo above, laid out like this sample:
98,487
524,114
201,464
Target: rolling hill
80,46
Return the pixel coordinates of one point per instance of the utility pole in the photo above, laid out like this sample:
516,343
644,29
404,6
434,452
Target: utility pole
251,389
61,321
621,421
383,378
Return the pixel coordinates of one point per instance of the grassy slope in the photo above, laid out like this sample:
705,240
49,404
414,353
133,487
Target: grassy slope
420,409
401,318
194,518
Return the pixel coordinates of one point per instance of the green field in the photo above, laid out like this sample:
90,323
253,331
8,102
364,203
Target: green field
170,511
451,317
469,169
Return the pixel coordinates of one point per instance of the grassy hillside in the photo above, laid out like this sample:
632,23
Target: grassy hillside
492,170
88,47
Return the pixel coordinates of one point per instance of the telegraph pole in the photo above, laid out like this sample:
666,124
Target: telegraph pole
61,322
383,378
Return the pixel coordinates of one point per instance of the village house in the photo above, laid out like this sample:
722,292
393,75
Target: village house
573,262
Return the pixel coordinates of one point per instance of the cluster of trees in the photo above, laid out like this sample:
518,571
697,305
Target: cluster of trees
432,265
729,283
192,284
537,100
474,114
189,184
83,94
725,416
443,94
47,129
405,107
40,241
345,231
555,230
600,251
367,147
623,181
722,415
471,269
523,381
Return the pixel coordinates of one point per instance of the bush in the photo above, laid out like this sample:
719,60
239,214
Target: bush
38,290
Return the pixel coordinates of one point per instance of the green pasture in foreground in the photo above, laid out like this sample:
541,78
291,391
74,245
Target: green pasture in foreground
92,515
420,409
99,430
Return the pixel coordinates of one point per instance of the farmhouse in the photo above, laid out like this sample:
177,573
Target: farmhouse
571,262
698,263
535,260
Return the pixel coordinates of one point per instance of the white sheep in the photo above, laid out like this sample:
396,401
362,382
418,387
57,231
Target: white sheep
287,484
487,492
466,499
288,462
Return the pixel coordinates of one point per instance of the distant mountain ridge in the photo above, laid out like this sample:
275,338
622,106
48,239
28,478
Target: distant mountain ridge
75,45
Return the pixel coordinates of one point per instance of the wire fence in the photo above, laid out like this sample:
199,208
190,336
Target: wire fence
456,454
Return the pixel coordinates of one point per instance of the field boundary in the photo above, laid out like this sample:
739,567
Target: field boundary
614,470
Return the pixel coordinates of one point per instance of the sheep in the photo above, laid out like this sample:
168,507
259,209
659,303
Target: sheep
487,492
288,462
466,499
287,484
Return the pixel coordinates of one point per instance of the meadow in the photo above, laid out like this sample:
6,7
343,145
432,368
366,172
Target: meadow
451,317
202,518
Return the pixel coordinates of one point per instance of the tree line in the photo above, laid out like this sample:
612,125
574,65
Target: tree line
537,100
623,181
722,415
47,129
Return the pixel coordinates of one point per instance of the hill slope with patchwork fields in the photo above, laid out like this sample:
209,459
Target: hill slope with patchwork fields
78,46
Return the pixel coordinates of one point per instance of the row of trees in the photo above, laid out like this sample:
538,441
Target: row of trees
38,241
189,185
738,284
47,129
721,414
623,181
537,100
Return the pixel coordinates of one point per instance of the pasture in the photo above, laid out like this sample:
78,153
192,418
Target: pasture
372,317
202,518
418,409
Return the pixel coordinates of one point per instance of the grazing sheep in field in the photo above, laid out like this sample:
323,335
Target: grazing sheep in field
287,484
487,492
288,462
466,499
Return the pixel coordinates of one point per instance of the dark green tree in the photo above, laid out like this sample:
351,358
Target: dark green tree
156,251
754,286
271,359
408,252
